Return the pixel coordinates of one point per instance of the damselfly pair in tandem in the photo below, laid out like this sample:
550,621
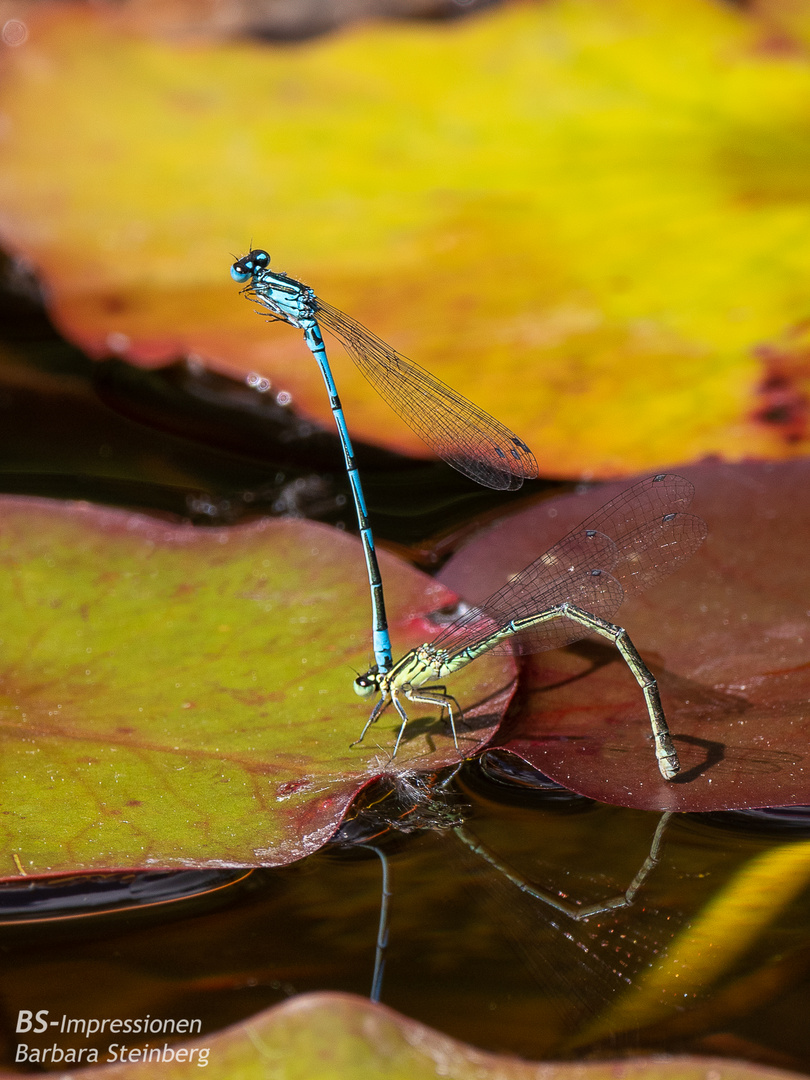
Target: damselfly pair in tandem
569,592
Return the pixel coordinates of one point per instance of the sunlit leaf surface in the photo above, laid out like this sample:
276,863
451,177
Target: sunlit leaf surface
727,636
590,217
174,695
336,1036
787,23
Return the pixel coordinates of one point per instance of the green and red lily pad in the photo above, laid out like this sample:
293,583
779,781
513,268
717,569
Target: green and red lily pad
727,636
332,1036
179,696
602,203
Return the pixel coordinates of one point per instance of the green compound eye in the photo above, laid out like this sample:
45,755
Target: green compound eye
364,686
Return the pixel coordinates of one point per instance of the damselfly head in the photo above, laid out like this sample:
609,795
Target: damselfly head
368,684
249,265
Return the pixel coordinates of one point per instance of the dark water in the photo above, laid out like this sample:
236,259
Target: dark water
469,953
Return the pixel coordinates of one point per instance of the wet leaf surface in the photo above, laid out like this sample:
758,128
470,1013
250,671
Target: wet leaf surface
630,244
338,1035
727,636
177,696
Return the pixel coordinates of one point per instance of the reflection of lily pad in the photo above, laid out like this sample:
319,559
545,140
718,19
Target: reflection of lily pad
728,637
337,1036
603,204
181,696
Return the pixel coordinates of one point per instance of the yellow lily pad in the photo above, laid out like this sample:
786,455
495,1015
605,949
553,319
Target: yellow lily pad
589,217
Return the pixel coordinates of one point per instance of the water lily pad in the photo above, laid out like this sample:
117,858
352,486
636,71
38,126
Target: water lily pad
604,202
787,23
331,1036
727,636
177,696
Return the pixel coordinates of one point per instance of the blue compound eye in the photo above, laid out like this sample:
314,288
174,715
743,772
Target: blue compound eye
249,265
240,271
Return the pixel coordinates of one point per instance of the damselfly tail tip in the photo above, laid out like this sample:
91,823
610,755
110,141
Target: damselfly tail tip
669,764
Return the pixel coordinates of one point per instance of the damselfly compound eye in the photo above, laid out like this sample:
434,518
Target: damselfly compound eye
364,686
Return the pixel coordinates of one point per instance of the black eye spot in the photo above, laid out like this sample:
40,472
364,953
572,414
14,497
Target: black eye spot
590,533
669,517
596,573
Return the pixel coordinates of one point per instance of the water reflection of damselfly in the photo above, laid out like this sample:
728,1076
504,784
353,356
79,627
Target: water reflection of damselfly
465,436
598,969
635,540
710,937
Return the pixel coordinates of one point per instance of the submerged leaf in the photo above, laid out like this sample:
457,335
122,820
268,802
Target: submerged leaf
181,696
727,636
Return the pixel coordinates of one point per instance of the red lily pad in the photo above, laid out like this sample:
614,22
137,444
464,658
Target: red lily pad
727,636
324,1036
177,696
